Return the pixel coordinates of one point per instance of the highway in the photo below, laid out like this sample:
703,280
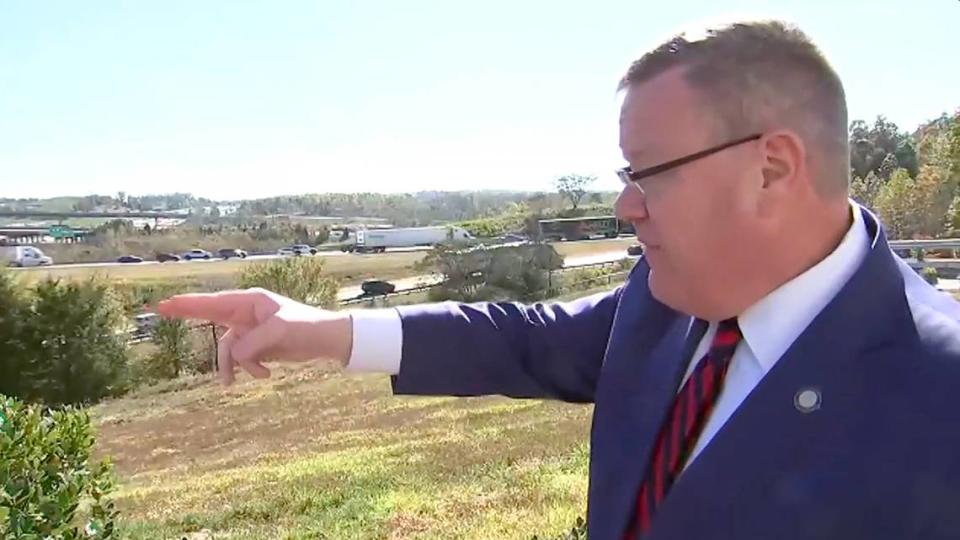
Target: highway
347,293
213,260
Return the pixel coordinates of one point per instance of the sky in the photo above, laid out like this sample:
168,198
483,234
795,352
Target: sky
241,99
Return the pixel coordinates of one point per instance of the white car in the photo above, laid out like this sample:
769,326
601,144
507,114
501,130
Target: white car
197,254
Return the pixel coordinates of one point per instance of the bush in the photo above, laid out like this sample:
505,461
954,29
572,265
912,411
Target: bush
78,349
930,275
515,273
173,349
61,343
299,278
46,474
487,227
15,369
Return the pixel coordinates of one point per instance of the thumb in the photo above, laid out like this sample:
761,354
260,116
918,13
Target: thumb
255,344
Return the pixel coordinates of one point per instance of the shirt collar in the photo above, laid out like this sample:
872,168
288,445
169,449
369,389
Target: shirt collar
771,325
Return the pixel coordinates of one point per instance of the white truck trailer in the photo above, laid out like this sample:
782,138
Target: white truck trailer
378,240
24,256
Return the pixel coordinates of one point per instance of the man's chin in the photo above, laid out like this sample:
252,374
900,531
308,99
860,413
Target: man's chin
668,292
660,288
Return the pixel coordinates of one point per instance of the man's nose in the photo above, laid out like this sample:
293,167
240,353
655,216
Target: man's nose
631,204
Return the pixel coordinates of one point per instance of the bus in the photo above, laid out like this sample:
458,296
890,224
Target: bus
583,228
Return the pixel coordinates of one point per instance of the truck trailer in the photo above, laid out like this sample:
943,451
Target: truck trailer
378,240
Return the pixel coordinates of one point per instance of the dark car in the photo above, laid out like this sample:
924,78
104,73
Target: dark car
377,287
635,250
227,253
129,259
167,257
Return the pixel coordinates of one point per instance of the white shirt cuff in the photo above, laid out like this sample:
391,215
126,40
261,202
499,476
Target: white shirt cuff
377,341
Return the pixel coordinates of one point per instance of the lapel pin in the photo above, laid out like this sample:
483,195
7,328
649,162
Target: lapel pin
807,400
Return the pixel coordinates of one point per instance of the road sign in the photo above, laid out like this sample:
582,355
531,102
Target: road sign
61,231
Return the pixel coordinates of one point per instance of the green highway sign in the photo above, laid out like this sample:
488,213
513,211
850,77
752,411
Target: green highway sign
61,231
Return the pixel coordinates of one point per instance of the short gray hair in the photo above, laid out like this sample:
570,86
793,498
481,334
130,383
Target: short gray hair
760,75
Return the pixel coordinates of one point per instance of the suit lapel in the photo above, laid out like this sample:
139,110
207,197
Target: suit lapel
770,434
637,392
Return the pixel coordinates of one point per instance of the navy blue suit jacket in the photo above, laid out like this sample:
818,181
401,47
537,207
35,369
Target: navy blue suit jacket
879,459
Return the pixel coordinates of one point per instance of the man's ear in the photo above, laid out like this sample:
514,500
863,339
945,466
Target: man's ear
782,154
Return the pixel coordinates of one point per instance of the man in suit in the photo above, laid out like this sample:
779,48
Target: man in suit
769,369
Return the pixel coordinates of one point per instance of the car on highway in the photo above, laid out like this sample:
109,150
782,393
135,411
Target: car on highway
296,250
167,257
129,259
197,254
228,253
635,250
376,287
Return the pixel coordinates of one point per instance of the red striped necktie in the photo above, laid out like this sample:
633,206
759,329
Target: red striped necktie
682,428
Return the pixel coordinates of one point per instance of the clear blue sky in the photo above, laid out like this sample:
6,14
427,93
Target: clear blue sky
236,99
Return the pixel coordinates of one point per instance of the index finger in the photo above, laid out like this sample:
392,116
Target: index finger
228,307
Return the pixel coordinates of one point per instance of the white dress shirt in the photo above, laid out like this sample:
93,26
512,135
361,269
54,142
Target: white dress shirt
769,326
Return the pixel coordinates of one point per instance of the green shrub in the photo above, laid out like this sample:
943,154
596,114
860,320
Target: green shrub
504,273
61,343
930,275
15,368
50,488
173,351
78,347
487,227
299,278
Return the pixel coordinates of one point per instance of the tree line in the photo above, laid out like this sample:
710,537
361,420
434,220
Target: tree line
910,180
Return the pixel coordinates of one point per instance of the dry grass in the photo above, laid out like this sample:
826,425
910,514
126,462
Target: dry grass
316,454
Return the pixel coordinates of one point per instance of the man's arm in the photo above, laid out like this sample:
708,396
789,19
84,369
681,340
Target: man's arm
550,350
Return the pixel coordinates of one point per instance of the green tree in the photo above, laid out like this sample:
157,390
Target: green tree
15,370
76,343
865,190
881,149
573,187
505,273
299,278
173,352
900,205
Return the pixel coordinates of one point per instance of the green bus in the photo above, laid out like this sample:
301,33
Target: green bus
583,228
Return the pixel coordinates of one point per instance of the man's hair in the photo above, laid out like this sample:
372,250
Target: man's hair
763,75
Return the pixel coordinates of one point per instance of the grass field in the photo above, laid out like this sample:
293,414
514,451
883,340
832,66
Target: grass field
313,453
316,454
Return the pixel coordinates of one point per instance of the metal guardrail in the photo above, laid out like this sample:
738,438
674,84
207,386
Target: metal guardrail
938,243
374,297
140,336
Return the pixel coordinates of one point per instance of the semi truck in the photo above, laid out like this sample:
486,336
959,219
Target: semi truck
583,228
23,256
378,240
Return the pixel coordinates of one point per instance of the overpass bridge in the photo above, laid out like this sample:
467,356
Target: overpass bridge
15,234
107,215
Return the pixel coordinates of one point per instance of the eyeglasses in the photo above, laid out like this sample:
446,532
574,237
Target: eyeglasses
628,176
